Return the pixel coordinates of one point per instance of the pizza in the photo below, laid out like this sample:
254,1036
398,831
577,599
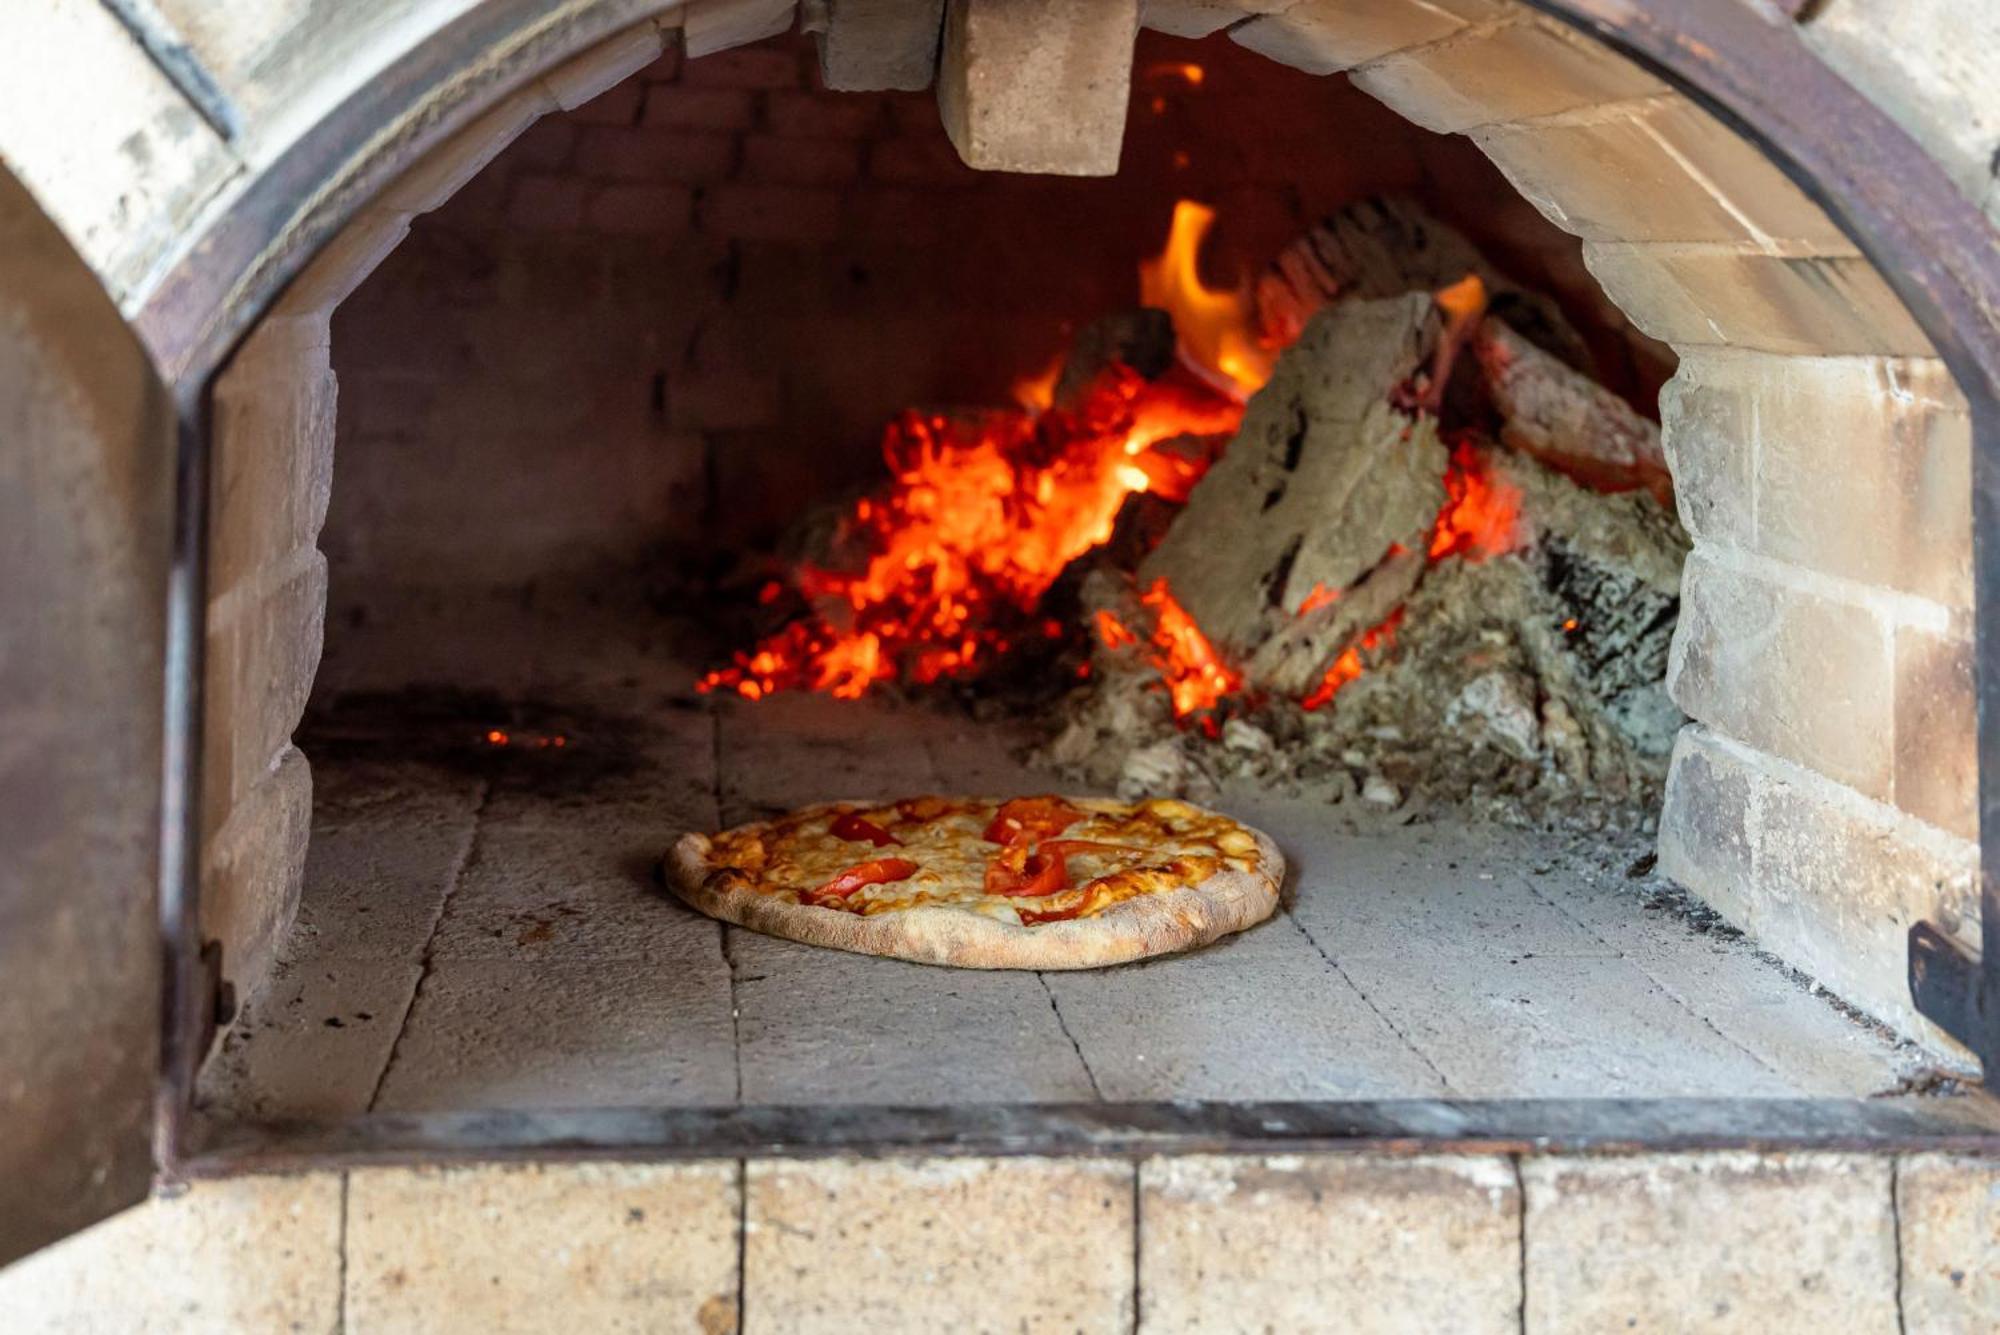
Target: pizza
1027,883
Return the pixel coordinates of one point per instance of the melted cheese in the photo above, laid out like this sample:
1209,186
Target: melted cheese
1162,845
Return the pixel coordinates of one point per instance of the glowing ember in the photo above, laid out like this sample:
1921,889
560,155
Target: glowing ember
982,513
1112,631
1350,663
1196,677
1318,598
1481,516
980,517
1037,393
1214,326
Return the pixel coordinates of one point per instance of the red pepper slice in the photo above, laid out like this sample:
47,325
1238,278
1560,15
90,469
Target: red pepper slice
1031,818
856,828
1023,871
877,871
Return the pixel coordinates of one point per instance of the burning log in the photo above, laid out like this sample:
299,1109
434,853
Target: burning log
1384,248
1142,339
1565,419
1324,477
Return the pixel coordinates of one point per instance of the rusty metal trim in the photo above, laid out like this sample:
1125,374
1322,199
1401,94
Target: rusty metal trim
1964,1124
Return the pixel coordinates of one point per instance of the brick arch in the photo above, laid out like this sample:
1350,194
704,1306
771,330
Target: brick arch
1825,797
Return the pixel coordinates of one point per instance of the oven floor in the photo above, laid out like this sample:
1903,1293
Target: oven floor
482,927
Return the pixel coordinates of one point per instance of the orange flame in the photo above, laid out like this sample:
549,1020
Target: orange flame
1318,597
1481,515
1349,664
1113,631
1196,677
1215,327
979,519
1037,393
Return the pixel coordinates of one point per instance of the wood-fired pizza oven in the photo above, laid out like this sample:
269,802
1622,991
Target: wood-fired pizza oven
1643,769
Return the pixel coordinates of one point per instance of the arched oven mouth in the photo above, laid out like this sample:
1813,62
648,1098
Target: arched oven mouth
1364,514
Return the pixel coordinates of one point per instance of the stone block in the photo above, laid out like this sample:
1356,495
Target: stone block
254,869
1948,1208
877,45
272,449
1038,85
1707,296
443,171
1359,1242
1658,170
1199,18
264,639
183,1264
483,1034
1853,466
717,25
1709,434
621,104
1937,741
1933,65
1326,36
1505,73
581,78
608,1246
103,139
343,262
1713,1242
910,1245
1864,470
1834,883
1708,836
1793,671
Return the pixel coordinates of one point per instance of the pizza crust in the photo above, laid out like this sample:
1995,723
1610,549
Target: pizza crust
1132,929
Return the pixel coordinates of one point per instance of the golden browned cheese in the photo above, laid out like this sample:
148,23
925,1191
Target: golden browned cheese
1150,847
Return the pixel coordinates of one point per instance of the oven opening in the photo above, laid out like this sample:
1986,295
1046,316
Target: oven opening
727,445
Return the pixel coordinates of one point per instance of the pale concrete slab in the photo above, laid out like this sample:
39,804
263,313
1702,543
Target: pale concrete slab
583,1247
1419,891
571,891
1712,1242
1948,1213
1752,1002
1260,1015
247,1254
938,1244
1329,1243
1556,1027
312,1044
826,1026
387,845
569,1034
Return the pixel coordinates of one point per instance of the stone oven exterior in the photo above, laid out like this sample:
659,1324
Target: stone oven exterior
230,174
